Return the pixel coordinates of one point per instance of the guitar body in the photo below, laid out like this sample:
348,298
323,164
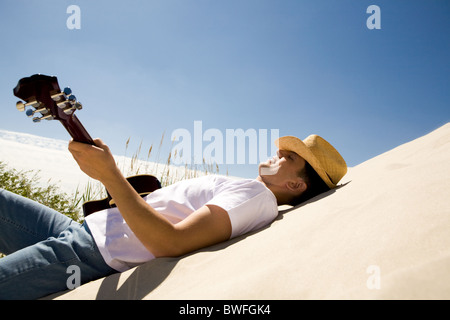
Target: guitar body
43,94
143,184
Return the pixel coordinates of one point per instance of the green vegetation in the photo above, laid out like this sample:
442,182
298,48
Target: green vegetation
26,183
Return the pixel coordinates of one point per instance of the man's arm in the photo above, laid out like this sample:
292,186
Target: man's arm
207,226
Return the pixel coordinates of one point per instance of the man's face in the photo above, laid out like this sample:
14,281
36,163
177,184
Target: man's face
282,167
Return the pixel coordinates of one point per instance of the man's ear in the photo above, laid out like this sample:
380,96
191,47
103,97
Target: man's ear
296,185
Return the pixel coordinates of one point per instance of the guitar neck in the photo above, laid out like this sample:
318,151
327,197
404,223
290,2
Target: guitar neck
76,130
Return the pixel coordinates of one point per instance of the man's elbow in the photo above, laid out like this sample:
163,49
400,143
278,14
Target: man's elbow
168,251
167,247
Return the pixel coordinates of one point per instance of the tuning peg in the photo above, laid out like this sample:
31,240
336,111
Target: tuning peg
75,106
67,104
47,117
67,91
31,112
21,106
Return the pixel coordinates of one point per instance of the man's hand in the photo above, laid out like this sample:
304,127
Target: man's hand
96,161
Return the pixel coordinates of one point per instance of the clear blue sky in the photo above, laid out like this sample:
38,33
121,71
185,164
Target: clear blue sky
142,68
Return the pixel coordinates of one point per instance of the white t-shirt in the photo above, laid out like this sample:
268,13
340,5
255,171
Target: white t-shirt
249,204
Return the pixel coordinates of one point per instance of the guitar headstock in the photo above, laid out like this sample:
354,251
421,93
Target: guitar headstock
43,95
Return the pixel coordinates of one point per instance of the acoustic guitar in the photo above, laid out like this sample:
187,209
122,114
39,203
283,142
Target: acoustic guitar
47,102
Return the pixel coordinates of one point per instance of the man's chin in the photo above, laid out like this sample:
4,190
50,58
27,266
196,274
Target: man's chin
268,170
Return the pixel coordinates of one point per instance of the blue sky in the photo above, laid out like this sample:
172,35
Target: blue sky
142,68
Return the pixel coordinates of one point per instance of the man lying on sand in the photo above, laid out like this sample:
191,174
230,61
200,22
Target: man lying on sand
42,244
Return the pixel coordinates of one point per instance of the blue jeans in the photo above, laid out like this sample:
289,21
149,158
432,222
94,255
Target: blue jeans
41,244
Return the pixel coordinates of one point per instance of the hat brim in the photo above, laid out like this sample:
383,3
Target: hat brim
296,145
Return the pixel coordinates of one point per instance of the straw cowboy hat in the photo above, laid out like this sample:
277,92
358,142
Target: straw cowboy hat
321,155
